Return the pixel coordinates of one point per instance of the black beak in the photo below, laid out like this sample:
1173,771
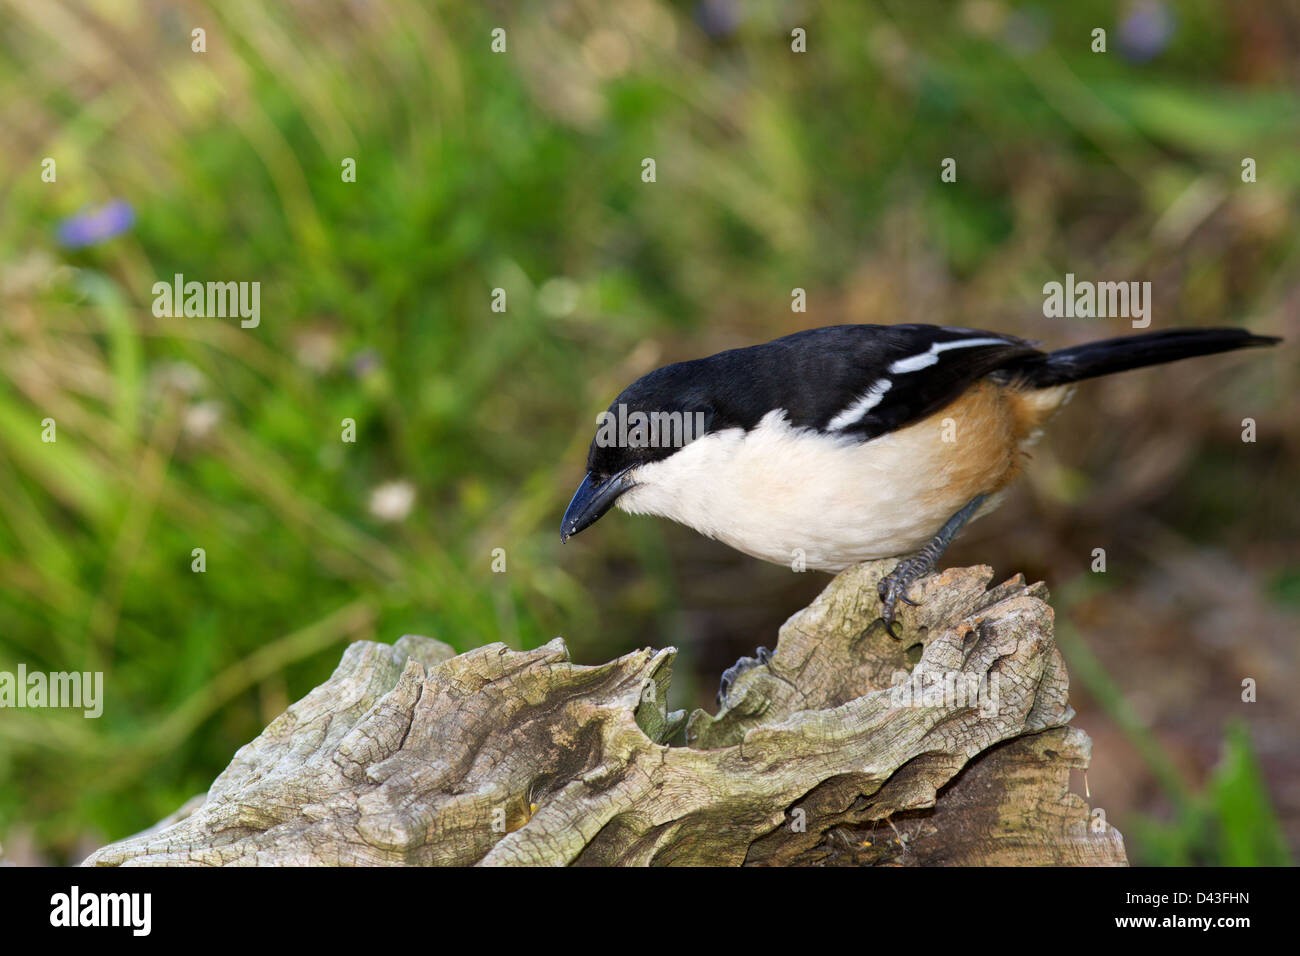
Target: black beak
593,498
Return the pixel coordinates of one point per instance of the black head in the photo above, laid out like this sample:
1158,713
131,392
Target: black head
653,418
732,389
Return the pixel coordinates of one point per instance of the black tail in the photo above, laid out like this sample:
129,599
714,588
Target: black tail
1131,351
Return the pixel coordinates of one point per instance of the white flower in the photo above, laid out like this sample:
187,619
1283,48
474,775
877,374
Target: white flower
201,418
392,501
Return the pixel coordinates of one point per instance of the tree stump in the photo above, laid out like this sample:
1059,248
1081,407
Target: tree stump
850,746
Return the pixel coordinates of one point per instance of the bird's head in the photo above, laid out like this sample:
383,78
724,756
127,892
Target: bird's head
651,420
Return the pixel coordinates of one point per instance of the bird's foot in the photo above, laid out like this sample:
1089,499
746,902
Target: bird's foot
894,586
761,656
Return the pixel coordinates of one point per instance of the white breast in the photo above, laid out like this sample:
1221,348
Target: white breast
781,493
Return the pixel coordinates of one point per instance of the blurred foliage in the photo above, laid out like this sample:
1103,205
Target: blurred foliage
1228,821
1231,824
521,171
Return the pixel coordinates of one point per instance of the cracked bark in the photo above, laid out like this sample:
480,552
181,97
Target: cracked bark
851,746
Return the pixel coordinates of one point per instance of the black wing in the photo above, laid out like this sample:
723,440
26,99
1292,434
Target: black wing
859,380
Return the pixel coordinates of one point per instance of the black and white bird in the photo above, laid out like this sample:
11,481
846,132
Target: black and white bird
849,443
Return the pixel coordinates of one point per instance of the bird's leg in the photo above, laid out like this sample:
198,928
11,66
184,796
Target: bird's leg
762,656
895,585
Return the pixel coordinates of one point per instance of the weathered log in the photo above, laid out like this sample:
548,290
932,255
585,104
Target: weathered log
850,746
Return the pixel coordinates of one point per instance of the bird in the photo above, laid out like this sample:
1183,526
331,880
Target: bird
849,443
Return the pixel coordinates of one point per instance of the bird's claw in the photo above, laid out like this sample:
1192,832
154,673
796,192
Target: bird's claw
894,586
761,656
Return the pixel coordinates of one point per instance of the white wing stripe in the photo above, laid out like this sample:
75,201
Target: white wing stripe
869,400
931,355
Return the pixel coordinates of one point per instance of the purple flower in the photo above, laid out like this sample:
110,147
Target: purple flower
718,18
1145,32
95,224
365,362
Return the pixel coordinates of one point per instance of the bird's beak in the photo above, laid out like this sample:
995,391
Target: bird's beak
593,498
